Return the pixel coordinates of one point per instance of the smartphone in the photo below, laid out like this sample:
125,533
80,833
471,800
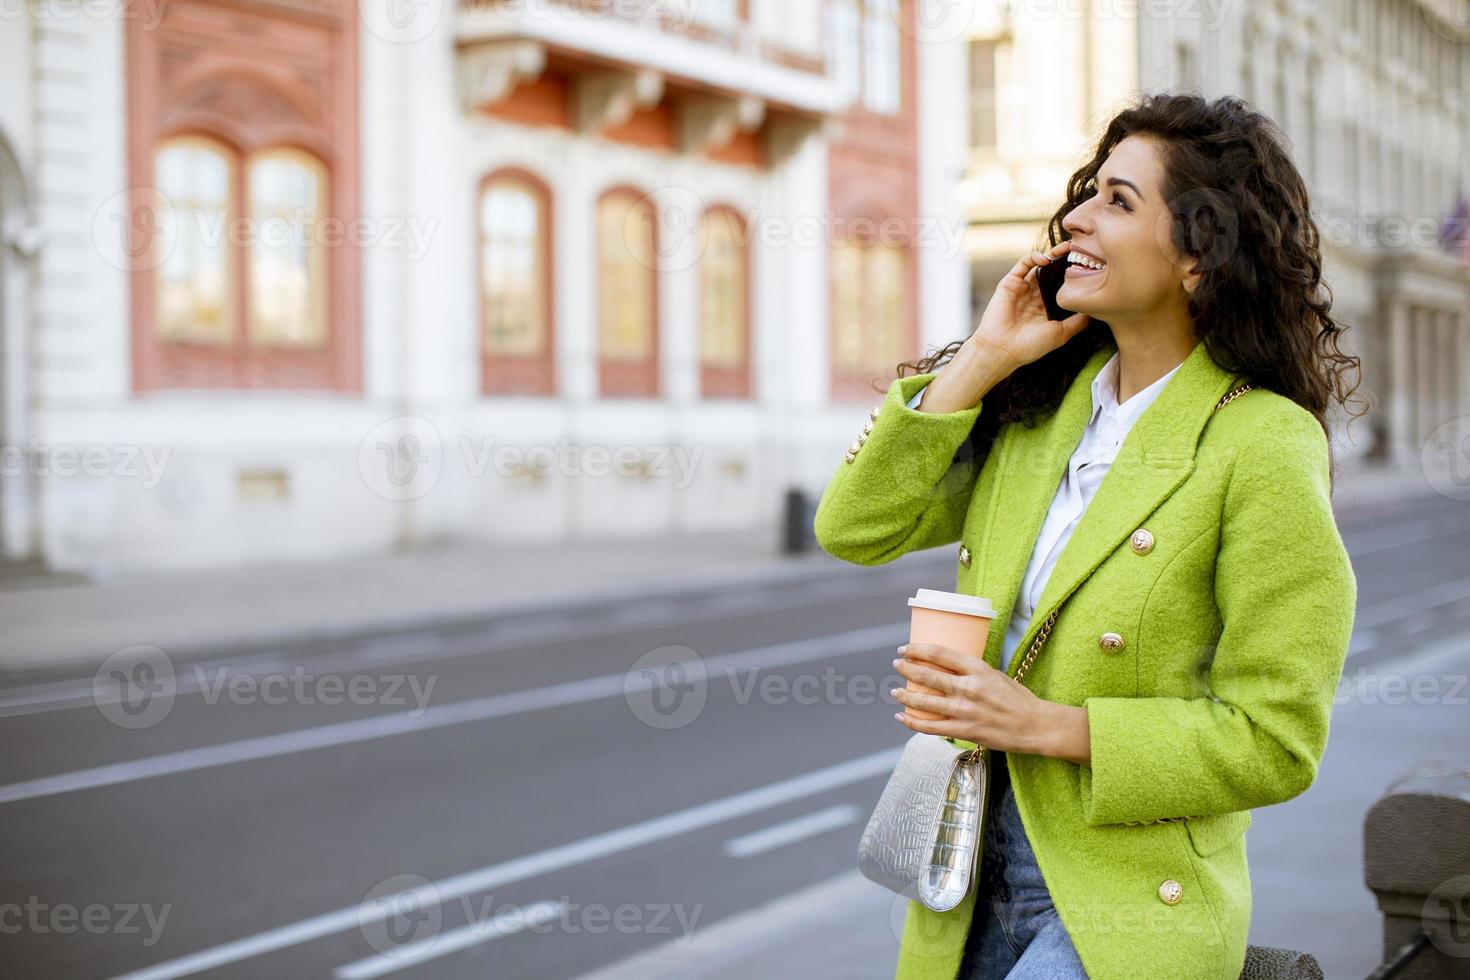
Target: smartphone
1049,278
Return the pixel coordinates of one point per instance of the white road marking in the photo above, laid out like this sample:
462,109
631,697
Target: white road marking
396,649
580,851
735,946
1387,538
761,841
1410,604
55,695
460,713
474,934
1363,641
496,638
1446,660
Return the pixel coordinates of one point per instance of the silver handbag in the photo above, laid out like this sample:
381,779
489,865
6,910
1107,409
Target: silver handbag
924,838
925,835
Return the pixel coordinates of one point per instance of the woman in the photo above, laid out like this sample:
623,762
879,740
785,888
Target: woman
1195,605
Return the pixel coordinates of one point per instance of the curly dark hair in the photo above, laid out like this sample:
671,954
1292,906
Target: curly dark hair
1240,208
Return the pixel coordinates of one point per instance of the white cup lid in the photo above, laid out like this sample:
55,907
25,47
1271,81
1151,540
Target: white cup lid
955,602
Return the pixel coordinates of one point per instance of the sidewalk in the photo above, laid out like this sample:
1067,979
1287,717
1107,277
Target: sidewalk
77,623
71,622
1364,491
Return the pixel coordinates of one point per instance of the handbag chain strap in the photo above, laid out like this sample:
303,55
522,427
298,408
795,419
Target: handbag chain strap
1045,631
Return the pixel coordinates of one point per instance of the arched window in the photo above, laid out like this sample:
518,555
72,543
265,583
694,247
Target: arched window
627,292
724,305
195,284
258,125
288,268
241,294
515,284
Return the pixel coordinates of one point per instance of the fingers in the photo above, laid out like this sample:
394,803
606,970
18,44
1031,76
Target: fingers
933,703
948,727
941,655
1025,268
939,680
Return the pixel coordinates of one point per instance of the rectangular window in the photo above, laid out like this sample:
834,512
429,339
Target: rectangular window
983,102
882,57
196,280
884,306
516,349
513,275
627,289
1185,69
718,13
793,24
847,308
1309,115
1351,174
724,308
870,328
288,269
847,48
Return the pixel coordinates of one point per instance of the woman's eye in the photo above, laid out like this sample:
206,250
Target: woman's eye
1119,197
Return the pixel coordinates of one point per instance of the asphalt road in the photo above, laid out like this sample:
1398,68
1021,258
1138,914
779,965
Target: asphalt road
519,799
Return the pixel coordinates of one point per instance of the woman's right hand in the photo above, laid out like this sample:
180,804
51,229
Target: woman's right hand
1015,329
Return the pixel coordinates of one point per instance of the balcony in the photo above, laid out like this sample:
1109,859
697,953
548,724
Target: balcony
722,75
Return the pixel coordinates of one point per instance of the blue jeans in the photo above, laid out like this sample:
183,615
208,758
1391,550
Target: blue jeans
1016,933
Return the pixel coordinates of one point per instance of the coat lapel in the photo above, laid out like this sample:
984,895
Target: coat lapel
1157,455
1031,467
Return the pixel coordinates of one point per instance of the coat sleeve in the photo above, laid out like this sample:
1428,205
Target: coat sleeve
1286,594
903,491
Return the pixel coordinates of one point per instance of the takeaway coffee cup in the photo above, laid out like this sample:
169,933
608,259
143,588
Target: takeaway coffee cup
952,619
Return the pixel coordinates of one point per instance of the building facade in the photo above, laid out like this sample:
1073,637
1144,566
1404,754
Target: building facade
1371,93
322,277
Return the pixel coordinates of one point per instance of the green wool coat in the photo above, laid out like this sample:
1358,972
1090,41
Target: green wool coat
1235,628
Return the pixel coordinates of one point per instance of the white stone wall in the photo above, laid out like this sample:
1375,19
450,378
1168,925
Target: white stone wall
17,216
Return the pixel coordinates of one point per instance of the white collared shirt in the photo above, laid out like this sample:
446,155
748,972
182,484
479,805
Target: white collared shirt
1106,429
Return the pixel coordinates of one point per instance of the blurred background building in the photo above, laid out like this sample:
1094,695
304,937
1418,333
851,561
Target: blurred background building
332,258
1371,93
327,277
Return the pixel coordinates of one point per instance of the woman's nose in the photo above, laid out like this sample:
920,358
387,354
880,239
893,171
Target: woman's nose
1078,219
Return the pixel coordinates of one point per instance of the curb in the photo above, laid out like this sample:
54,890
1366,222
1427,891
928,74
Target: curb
52,665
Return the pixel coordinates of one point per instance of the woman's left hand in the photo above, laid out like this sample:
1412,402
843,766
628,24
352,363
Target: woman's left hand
980,704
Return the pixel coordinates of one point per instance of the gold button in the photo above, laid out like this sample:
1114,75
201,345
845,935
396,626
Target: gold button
855,447
849,455
1110,642
1143,541
867,426
1170,892
873,415
964,556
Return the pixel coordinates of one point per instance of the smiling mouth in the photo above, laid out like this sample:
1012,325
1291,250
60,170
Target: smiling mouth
1080,266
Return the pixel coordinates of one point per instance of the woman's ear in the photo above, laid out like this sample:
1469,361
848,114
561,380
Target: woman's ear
1191,278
